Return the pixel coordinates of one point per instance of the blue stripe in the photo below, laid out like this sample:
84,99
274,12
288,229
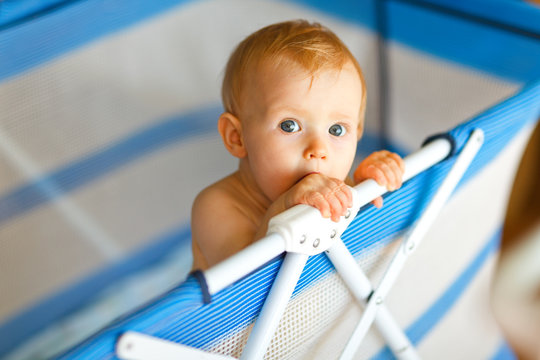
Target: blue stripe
35,318
504,352
356,12
427,321
104,161
45,37
14,11
515,15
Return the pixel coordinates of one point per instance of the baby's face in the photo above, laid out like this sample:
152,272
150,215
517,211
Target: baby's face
295,125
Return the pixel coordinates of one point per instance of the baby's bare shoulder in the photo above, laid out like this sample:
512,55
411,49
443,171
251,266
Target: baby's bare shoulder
220,195
221,208
218,224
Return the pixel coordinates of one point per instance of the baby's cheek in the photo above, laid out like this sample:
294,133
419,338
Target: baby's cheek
274,186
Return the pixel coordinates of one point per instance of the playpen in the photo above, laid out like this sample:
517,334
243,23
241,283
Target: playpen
107,132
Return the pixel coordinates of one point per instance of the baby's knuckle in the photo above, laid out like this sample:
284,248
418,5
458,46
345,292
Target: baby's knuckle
314,196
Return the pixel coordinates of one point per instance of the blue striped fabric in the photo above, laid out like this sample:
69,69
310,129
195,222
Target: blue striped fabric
71,25
47,311
493,49
76,23
102,162
181,316
512,55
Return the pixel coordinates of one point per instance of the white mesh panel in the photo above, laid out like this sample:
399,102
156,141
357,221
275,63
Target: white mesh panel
319,320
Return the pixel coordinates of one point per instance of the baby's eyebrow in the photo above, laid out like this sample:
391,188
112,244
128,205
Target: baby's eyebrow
286,109
342,116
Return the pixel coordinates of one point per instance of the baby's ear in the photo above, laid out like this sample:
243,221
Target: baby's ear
230,128
360,130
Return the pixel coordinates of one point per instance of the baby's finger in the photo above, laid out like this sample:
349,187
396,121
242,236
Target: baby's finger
336,208
317,200
378,202
399,161
398,167
375,173
344,194
395,175
339,189
391,179
344,200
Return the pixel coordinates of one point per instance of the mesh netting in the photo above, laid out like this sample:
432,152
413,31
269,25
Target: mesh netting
318,321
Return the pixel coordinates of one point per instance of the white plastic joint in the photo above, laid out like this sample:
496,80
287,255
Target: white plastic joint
305,231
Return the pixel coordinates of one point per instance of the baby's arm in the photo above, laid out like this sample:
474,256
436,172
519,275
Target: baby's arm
385,167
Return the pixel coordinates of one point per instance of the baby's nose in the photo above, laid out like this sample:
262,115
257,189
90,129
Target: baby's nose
316,149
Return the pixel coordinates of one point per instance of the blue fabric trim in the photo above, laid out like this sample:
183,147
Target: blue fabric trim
520,15
104,161
69,27
500,124
429,319
13,11
356,12
504,352
489,49
25,324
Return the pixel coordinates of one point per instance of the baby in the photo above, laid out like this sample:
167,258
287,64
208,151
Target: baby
294,99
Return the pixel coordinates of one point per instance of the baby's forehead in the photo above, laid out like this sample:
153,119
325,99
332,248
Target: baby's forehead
290,71
271,88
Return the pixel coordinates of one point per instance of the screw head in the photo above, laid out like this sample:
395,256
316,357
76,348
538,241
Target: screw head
303,239
316,242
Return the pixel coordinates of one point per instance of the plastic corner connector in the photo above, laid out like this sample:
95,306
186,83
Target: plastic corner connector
305,231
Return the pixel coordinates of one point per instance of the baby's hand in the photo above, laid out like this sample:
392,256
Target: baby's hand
331,196
385,168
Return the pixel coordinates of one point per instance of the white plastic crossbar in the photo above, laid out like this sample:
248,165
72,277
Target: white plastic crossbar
136,346
360,287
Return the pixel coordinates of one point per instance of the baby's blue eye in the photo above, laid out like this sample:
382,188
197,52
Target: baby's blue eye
337,130
289,126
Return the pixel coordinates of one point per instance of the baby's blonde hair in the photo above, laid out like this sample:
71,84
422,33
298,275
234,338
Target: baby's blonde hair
310,45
